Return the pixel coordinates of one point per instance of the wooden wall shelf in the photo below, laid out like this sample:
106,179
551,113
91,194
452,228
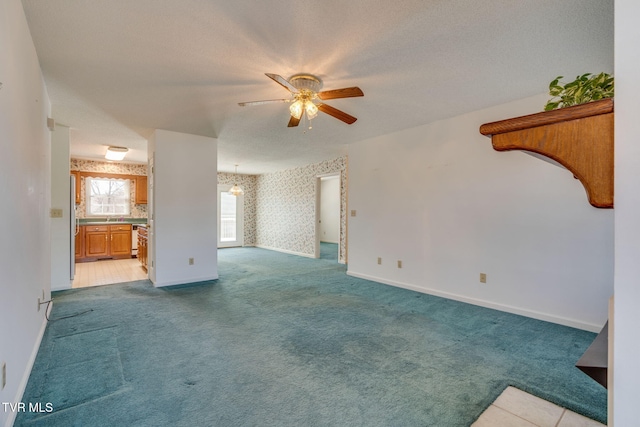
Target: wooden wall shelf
580,138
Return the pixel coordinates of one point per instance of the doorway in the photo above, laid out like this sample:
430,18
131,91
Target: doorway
230,218
328,212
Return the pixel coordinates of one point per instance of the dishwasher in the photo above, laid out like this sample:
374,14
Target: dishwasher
134,241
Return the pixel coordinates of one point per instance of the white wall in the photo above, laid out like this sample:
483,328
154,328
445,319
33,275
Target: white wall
25,269
183,208
467,209
330,209
60,199
626,354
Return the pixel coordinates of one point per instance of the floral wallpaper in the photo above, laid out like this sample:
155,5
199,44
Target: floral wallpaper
137,211
286,204
248,183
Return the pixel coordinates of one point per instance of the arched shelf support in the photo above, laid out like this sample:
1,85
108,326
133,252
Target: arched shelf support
580,138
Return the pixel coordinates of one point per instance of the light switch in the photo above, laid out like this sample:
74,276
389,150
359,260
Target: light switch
56,213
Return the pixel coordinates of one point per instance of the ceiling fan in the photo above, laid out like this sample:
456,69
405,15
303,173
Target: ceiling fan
306,97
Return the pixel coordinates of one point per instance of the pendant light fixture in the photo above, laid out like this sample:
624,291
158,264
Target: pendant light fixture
235,190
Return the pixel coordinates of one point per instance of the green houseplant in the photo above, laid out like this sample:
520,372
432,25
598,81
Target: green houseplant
583,89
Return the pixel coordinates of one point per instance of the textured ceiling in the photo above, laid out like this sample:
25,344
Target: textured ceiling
118,69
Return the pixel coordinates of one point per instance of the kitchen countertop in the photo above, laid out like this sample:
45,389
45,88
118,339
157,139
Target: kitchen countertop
115,221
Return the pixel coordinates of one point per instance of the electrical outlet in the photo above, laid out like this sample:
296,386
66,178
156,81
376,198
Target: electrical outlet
191,261
353,212
399,264
4,375
56,213
483,278
379,260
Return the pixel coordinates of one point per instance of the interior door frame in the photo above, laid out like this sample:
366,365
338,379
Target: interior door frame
239,242
318,210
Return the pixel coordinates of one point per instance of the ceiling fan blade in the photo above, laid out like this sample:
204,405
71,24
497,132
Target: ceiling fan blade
293,122
340,115
268,101
282,81
347,92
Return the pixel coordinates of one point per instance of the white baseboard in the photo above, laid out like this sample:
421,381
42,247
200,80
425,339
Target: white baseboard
482,303
60,287
285,251
25,375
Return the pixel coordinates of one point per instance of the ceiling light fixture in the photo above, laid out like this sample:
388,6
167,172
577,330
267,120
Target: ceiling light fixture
235,190
306,97
116,153
303,102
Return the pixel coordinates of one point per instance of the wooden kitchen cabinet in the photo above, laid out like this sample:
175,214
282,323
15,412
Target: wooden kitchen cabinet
142,246
105,242
80,243
96,241
78,185
120,240
141,190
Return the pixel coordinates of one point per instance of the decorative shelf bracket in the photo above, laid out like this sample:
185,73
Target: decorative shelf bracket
580,138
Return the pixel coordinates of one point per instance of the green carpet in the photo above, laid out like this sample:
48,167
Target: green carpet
281,340
329,251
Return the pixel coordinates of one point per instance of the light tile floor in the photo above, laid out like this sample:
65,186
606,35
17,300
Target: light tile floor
515,408
107,272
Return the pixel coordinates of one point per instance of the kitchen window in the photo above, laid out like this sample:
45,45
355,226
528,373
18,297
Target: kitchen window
108,197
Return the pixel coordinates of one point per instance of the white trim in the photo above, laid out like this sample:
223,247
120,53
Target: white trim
318,186
285,251
482,303
11,418
183,282
329,175
62,287
317,217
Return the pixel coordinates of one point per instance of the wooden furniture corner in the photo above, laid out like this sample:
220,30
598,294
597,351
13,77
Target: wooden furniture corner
580,138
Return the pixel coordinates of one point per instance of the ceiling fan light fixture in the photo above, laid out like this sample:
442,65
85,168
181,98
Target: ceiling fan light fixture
296,109
311,109
304,90
116,153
